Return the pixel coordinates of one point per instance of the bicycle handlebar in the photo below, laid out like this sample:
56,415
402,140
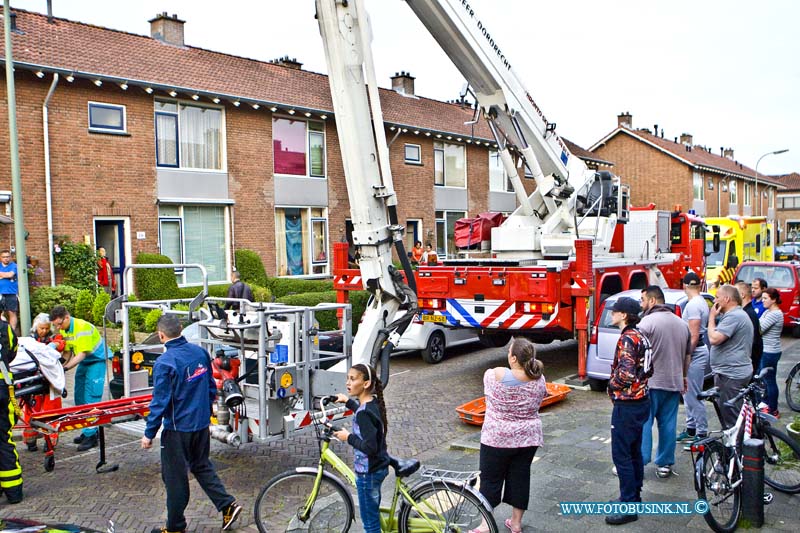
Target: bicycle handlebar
747,390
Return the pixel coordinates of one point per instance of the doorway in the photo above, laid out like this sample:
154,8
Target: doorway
111,234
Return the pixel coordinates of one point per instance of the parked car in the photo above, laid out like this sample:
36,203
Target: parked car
787,252
782,276
432,339
603,341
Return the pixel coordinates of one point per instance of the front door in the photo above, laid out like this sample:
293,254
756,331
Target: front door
111,235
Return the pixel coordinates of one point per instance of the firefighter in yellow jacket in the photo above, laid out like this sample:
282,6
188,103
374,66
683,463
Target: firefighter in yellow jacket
10,471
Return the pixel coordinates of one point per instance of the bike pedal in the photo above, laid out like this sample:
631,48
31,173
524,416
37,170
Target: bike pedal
768,497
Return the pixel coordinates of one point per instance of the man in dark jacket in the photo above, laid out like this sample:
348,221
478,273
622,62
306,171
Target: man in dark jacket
183,392
238,289
747,307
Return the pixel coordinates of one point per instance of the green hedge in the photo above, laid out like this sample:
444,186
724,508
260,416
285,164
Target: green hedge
327,319
155,284
83,305
151,320
99,307
261,294
250,267
281,287
44,299
218,291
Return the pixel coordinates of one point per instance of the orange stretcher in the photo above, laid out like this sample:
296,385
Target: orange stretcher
473,412
49,423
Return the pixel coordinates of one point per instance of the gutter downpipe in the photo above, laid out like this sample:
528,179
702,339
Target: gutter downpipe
48,192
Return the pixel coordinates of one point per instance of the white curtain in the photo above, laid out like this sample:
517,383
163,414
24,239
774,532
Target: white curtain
200,137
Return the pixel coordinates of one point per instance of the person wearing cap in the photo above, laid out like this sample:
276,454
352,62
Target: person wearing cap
238,290
730,333
695,314
671,354
627,387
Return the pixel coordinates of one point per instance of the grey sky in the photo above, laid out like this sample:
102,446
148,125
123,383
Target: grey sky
725,71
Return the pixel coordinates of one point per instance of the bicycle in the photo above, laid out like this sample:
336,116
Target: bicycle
718,460
313,499
792,389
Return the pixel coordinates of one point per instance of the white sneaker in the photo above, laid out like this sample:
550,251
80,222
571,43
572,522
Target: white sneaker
664,471
614,470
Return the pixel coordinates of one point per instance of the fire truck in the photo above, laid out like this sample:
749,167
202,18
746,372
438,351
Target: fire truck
571,243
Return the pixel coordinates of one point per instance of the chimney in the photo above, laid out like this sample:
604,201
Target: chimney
167,29
624,120
290,62
686,139
728,152
403,83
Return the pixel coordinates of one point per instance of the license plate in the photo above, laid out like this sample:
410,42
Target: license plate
440,319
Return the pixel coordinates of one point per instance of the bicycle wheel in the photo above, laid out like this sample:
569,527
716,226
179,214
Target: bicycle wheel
281,501
781,461
793,388
444,507
724,500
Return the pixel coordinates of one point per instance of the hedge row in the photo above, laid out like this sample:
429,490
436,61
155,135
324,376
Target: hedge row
83,304
327,319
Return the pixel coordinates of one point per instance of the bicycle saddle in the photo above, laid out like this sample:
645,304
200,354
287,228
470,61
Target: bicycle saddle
710,394
404,467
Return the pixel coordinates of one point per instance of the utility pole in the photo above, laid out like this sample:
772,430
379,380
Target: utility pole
16,184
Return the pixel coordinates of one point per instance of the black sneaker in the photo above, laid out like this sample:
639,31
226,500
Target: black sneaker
165,530
230,514
80,438
88,443
619,519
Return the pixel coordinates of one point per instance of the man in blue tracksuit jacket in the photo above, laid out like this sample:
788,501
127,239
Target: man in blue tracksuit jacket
183,393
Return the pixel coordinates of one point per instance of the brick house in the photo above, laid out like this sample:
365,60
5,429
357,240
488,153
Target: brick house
788,214
156,146
680,172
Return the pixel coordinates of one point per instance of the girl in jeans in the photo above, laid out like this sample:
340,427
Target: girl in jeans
369,440
771,324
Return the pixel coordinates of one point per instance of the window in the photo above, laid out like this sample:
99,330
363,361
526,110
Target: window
299,147
413,154
734,195
194,234
498,179
699,191
107,118
748,194
188,136
445,232
450,169
788,202
301,241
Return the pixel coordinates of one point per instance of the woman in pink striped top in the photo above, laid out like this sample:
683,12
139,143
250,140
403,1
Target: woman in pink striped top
512,429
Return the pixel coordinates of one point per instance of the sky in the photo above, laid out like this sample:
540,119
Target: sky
725,71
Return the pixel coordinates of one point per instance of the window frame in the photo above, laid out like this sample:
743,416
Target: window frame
747,194
312,260
508,182
107,129
181,273
322,132
697,185
442,221
412,161
734,193
443,152
223,145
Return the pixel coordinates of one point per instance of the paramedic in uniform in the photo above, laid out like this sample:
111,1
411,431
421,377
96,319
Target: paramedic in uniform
10,471
89,355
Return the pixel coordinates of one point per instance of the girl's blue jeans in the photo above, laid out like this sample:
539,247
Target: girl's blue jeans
770,359
369,499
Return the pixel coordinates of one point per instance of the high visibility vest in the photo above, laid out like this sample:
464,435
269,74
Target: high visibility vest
83,336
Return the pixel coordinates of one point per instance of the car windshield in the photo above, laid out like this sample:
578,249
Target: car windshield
779,277
717,258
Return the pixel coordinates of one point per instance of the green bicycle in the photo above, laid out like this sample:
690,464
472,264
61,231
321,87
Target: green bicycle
313,499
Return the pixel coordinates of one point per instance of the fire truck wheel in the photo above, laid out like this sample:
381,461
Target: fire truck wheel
598,385
494,341
434,351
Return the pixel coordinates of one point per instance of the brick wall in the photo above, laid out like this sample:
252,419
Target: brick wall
115,175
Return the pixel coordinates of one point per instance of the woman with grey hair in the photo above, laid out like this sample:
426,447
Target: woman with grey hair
41,327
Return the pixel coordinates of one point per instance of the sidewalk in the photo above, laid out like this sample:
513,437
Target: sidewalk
574,465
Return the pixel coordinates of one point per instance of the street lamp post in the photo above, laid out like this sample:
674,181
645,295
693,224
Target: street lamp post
758,198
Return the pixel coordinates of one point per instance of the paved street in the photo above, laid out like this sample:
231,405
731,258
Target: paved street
574,464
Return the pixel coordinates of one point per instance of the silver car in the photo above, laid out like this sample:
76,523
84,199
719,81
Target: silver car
603,341
432,339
